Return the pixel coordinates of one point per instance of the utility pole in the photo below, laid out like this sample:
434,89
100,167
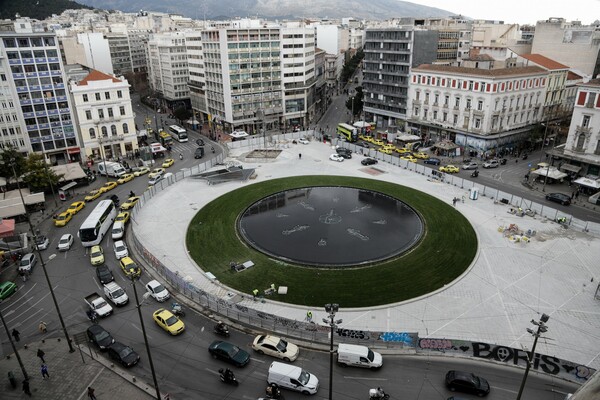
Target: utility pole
331,309
541,328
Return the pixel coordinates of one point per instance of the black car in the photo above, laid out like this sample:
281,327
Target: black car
200,142
467,382
104,274
368,161
123,354
363,144
346,153
100,337
229,352
199,153
561,198
432,161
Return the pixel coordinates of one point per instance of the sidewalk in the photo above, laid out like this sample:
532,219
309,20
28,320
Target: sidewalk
70,374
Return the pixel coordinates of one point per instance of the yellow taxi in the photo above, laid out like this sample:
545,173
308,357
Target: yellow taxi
362,137
168,321
63,218
168,162
130,202
123,217
93,195
378,142
97,255
402,150
129,267
409,158
421,155
450,169
156,171
108,186
125,178
385,150
369,139
389,146
74,208
141,171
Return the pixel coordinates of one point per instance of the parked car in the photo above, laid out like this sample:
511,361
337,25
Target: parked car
141,171
368,161
123,217
97,255
63,218
229,352
7,289
449,169
432,161
470,165
120,249
65,242
276,347
104,275
158,291
99,336
467,382
93,195
123,354
129,267
561,198
303,140
108,186
75,207
156,172
129,203
168,321
336,157
167,163
27,262
42,242
346,153
491,164
125,178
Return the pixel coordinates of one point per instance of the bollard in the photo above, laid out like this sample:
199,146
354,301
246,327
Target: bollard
12,380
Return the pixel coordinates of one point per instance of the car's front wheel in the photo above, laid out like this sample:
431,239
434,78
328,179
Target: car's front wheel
286,359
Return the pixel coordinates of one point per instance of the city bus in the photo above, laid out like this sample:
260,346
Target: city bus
164,138
349,132
178,133
97,223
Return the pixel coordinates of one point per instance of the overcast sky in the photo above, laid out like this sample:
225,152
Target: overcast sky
520,11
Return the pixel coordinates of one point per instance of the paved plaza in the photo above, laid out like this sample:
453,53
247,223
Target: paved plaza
509,283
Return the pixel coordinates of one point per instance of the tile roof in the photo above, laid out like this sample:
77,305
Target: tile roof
572,76
480,57
95,75
544,61
593,82
491,73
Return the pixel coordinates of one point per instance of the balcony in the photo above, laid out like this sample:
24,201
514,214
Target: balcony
584,129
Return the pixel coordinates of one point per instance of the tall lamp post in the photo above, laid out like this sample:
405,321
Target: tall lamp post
43,264
331,309
541,328
352,110
12,344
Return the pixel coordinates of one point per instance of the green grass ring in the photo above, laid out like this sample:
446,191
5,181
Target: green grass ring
446,250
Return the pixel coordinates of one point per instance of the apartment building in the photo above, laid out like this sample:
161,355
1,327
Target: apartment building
12,127
389,54
197,79
44,110
168,70
104,114
86,48
555,104
582,148
480,110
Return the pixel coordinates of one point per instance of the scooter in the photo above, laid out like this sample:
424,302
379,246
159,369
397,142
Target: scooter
273,392
227,376
177,310
212,148
475,173
93,316
221,329
378,394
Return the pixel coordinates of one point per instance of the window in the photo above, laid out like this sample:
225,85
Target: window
586,121
125,128
477,123
113,130
107,95
119,94
480,105
88,114
101,114
445,117
92,133
98,96
580,141
110,113
468,104
455,119
417,111
104,131
85,98
122,110
446,100
457,102
434,115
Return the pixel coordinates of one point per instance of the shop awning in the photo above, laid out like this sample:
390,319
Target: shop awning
7,228
551,172
70,172
592,183
405,137
446,145
570,167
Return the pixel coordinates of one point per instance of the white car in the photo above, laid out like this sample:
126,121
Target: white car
158,291
276,347
65,242
120,249
491,164
336,157
303,140
42,242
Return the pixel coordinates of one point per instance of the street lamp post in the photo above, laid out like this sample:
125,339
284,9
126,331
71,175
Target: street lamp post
331,309
43,264
541,328
12,344
352,109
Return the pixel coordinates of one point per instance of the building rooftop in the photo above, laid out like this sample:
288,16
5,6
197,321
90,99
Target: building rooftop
488,73
95,75
544,61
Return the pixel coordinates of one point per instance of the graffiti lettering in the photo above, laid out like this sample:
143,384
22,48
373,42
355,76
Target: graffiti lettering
403,337
438,344
241,308
353,334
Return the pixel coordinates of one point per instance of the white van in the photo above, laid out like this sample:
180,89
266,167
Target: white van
118,230
291,377
358,356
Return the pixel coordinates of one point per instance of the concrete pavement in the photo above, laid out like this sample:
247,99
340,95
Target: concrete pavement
508,284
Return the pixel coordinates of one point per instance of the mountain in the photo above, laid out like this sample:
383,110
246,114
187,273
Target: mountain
37,9
212,9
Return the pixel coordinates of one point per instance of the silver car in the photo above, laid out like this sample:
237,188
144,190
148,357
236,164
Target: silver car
27,262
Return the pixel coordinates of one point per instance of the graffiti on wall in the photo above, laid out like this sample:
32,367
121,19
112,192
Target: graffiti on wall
406,338
517,357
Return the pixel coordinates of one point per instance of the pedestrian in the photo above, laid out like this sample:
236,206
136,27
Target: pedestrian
91,394
43,327
41,354
44,371
300,156
454,202
309,316
16,334
26,387
255,293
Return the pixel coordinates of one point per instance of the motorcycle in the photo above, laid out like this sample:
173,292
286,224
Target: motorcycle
180,156
273,392
525,156
227,376
177,310
221,329
475,174
212,148
93,316
378,394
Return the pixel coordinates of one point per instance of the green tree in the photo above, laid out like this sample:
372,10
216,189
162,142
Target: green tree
182,114
355,103
11,157
39,176
351,65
